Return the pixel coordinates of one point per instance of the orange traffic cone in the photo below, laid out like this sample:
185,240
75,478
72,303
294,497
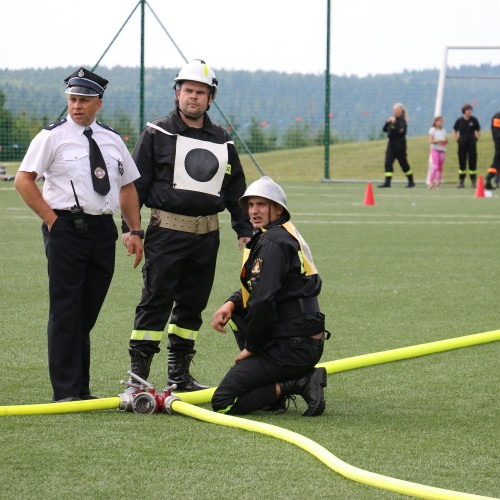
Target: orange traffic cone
369,200
480,187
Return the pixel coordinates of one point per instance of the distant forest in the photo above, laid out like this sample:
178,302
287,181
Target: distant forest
270,110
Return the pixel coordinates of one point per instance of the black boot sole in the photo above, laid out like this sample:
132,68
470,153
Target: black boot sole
188,386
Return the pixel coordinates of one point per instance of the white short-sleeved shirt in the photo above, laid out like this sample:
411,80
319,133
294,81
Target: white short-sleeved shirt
61,155
439,134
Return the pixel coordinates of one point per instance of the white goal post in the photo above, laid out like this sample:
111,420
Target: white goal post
442,74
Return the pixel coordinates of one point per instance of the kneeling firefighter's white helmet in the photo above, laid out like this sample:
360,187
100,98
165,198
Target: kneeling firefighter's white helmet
198,71
265,187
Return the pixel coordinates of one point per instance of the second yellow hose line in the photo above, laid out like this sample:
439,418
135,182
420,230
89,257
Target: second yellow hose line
376,358
185,406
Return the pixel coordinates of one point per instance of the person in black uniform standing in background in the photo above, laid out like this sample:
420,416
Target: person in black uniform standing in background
467,132
190,171
276,315
88,175
396,127
494,170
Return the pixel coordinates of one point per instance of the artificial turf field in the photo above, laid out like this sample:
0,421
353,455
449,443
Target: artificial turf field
416,267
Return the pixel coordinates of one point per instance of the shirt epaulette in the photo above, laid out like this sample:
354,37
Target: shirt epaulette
107,127
53,125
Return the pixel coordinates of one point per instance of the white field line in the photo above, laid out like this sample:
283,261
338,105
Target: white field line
393,215
394,222
323,218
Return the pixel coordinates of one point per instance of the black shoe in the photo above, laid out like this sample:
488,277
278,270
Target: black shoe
489,186
310,387
67,400
385,185
410,184
89,396
314,393
461,185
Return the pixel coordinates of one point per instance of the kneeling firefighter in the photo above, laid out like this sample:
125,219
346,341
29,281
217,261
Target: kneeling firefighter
494,170
190,171
280,328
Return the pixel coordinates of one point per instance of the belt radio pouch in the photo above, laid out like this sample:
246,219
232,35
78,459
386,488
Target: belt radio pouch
78,215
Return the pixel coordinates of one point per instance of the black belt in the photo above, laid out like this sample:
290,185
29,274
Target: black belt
296,308
67,213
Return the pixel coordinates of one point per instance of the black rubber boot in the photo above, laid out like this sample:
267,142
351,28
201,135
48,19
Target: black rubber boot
473,179
461,181
178,372
140,365
386,184
411,182
311,388
488,185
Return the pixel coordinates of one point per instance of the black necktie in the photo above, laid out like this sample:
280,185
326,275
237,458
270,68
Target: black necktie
98,170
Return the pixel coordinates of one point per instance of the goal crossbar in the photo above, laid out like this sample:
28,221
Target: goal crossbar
442,73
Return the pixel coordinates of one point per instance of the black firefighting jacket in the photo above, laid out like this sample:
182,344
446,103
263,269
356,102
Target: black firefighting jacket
396,132
495,127
274,277
155,156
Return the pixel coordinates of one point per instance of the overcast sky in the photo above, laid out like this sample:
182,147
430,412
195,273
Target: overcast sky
367,36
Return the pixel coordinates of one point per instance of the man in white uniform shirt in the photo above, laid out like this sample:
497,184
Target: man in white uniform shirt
88,175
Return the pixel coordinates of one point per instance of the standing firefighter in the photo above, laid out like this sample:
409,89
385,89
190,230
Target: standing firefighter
467,132
190,171
396,127
494,170
280,329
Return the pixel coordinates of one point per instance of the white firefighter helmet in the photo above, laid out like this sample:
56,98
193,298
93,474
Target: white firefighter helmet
265,187
198,71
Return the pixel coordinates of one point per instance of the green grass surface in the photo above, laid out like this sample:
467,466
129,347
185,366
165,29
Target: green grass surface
416,267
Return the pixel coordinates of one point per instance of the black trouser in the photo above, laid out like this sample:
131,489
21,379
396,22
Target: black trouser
392,154
496,158
467,150
250,385
80,268
179,267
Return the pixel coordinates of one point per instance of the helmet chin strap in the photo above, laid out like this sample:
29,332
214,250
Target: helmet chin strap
189,117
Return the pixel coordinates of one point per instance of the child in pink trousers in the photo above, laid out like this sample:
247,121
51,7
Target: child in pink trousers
438,142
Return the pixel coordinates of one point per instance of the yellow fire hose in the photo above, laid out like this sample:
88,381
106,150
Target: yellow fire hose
53,408
410,352
375,358
330,460
187,400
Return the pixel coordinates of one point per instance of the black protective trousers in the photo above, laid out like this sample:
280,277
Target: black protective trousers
80,268
496,158
179,268
393,153
467,149
250,385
